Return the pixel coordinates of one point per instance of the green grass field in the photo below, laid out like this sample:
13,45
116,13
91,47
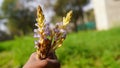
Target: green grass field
86,49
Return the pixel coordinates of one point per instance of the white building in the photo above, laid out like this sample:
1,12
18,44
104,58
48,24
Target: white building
107,13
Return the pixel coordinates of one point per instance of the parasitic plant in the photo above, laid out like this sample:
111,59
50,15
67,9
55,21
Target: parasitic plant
49,39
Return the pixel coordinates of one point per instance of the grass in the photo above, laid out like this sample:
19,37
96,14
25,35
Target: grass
16,51
86,49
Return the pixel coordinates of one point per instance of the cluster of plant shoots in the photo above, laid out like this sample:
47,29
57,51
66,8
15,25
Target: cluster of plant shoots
49,39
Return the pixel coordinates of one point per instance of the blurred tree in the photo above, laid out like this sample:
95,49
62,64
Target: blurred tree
62,7
20,19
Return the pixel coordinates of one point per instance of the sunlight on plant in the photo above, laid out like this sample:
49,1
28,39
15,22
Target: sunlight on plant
49,39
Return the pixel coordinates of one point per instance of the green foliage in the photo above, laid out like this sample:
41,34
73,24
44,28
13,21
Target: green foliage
90,49
20,19
16,52
4,36
61,7
8,5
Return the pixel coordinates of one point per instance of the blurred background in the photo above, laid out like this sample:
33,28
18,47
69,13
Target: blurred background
93,34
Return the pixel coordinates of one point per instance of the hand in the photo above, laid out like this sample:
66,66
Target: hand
50,62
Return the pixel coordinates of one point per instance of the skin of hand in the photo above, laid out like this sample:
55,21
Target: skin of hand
50,62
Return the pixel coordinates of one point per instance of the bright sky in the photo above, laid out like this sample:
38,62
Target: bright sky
1,2
88,6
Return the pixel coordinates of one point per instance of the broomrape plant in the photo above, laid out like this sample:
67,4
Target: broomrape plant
49,39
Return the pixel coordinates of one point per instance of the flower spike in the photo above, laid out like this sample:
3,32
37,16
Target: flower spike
49,39
67,19
40,17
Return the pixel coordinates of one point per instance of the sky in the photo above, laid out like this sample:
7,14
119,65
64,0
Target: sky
88,6
48,11
1,2
85,8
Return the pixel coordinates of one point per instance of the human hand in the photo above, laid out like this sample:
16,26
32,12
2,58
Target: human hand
50,62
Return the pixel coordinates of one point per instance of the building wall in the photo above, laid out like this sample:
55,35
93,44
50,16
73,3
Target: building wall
100,14
113,12
107,13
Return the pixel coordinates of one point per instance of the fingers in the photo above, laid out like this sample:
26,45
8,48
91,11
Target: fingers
50,62
47,63
53,63
52,55
33,56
